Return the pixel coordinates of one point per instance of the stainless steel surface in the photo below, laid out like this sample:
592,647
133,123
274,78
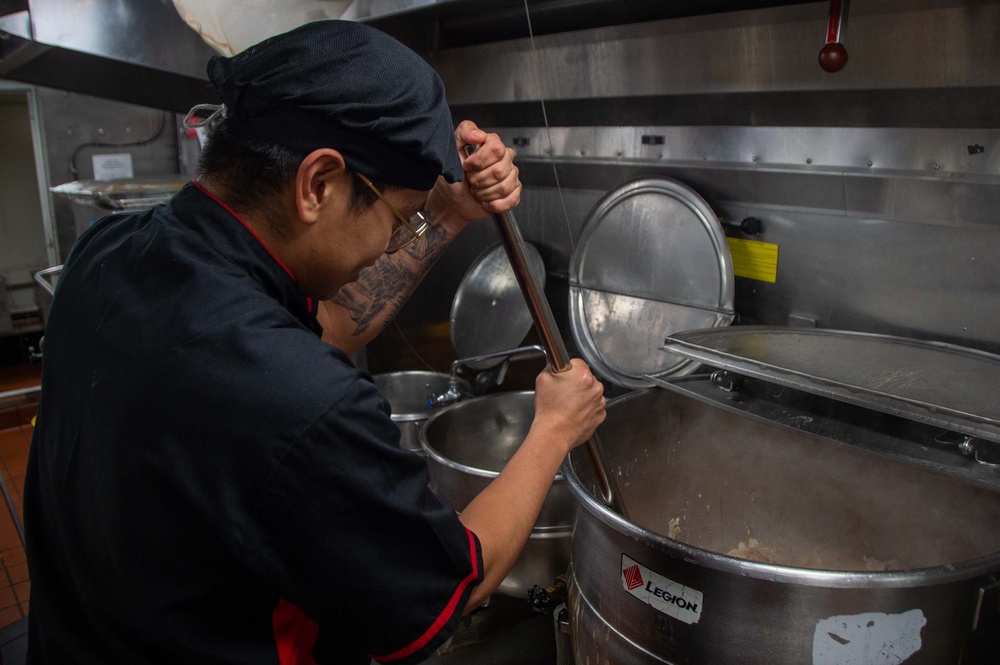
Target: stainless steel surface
71,123
131,51
897,247
904,196
48,278
944,385
495,378
146,33
652,258
891,437
20,392
410,396
896,255
488,313
723,477
884,152
133,194
467,445
461,22
753,51
870,181
520,353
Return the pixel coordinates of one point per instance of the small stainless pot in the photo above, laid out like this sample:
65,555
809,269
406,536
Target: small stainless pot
467,445
410,395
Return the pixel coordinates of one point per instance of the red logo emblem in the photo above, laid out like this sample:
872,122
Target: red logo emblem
633,578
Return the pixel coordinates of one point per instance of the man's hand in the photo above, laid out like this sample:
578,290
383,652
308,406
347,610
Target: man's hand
491,183
568,408
569,404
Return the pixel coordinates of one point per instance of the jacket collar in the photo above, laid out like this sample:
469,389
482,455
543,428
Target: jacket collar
235,240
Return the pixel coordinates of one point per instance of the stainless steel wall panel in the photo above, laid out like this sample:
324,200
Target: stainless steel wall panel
839,270
862,149
972,107
70,121
879,275
943,201
947,201
892,45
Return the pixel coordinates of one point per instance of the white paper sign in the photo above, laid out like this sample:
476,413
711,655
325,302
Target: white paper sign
873,638
671,598
112,167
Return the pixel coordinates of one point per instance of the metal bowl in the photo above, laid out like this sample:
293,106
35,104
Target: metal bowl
409,395
467,445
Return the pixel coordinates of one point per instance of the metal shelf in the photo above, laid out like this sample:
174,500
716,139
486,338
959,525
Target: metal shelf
452,23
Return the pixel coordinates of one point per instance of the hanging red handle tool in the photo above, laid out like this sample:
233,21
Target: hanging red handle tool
833,56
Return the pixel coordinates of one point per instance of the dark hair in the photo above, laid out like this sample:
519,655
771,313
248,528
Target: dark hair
253,172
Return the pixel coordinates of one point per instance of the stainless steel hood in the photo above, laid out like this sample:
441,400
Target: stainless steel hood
135,52
141,52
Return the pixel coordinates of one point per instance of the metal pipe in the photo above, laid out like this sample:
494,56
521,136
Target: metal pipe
20,392
548,331
559,360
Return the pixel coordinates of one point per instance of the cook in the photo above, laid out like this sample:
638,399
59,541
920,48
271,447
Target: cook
210,482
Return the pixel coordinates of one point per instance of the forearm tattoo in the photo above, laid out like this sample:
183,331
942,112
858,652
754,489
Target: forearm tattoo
381,290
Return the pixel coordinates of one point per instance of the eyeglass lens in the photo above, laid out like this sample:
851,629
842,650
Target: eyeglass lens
406,234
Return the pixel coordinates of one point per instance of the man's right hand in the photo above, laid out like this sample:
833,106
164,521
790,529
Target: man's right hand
570,404
568,408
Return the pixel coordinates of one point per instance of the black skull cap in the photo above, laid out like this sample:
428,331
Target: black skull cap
347,86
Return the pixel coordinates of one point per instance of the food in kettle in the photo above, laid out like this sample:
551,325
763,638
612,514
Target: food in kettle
820,557
753,551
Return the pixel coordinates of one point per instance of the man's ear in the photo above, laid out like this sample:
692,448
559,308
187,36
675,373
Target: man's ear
315,180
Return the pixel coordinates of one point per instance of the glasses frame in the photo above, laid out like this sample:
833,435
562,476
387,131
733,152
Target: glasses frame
416,226
204,115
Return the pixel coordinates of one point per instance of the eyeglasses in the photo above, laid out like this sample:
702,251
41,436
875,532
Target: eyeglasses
409,230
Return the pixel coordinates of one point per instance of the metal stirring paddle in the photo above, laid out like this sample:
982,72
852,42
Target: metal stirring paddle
552,341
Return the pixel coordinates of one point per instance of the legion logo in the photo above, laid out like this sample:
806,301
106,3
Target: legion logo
670,597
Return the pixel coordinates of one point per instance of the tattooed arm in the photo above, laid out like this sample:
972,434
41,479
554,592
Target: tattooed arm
360,310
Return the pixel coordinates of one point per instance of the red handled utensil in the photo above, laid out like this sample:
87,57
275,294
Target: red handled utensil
833,56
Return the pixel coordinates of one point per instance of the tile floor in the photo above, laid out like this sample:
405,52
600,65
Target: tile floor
15,440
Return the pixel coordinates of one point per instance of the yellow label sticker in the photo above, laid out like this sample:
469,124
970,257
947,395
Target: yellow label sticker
754,259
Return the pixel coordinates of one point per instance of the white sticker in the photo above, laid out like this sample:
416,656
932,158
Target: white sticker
868,639
112,167
673,599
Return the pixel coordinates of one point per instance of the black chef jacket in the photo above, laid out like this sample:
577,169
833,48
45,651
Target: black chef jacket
211,483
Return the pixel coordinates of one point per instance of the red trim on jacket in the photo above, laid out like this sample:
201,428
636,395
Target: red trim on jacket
294,634
246,226
445,615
